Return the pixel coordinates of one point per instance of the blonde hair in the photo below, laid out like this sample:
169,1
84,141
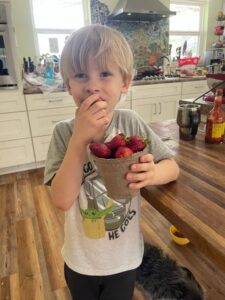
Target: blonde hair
105,45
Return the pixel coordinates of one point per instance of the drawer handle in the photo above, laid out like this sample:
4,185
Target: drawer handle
154,109
160,108
55,100
199,87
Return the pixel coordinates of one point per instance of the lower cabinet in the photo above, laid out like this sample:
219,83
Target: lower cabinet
12,101
42,122
153,110
194,89
16,153
41,145
14,126
44,112
156,102
16,149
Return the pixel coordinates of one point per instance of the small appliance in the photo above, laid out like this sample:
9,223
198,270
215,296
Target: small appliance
8,78
152,73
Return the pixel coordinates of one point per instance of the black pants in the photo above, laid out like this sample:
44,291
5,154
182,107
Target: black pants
113,287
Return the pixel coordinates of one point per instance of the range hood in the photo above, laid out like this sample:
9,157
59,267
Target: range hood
140,10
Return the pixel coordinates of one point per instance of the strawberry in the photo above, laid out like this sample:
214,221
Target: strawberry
136,143
123,152
118,141
100,150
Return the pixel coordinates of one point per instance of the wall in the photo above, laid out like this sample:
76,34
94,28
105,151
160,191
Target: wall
148,40
23,29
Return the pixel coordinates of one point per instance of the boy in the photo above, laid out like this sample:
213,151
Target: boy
103,244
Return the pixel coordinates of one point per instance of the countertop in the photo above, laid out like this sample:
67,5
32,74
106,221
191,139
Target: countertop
195,203
168,80
37,90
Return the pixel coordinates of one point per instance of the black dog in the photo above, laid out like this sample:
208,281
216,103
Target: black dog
160,278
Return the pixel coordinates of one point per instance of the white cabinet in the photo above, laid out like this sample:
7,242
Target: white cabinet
144,108
44,112
53,100
42,122
17,153
193,89
14,126
16,150
41,145
156,102
11,101
126,101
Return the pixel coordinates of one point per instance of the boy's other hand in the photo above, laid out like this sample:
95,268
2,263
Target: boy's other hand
142,174
91,119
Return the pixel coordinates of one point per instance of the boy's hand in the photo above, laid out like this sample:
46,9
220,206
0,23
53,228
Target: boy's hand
91,119
142,173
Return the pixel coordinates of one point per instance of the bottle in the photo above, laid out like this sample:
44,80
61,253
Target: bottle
215,124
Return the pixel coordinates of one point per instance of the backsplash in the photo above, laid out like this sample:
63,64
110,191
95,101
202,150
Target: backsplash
148,40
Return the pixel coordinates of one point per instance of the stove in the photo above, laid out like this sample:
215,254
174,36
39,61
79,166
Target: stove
155,77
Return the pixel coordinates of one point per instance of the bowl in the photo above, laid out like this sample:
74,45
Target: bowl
177,237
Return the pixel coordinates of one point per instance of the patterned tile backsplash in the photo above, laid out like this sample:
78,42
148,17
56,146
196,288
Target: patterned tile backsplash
148,40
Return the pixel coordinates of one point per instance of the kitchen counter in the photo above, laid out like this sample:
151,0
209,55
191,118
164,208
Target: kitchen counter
168,80
36,90
195,203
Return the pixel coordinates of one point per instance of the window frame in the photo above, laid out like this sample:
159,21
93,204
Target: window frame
201,33
36,30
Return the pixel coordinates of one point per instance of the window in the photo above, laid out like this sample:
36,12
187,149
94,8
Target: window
54,20
186,27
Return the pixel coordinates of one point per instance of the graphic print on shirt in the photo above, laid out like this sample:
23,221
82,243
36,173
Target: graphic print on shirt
102,215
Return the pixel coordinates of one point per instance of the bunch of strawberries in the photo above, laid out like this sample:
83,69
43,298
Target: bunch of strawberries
120,146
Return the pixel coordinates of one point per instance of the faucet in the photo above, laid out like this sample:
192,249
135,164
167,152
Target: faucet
166,67
164,56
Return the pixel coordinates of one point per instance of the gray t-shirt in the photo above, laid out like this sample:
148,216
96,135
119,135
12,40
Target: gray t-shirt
102,235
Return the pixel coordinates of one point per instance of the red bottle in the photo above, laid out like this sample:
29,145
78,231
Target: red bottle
215,124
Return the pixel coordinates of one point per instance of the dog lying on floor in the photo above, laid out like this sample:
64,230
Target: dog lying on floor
160,278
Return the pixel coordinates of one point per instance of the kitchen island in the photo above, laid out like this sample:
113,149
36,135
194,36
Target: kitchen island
195,203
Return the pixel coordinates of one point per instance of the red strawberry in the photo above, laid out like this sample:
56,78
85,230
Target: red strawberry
118,141
123,152
136,143
100,150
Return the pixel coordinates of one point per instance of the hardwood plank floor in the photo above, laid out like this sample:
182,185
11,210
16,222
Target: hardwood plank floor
31,236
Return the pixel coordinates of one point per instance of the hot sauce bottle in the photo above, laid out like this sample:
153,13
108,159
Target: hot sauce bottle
215,124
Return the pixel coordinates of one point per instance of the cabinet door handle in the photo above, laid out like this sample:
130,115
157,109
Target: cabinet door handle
160,108
154,113
198,87
56,100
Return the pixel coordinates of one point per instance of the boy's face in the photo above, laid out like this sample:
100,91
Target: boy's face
109,84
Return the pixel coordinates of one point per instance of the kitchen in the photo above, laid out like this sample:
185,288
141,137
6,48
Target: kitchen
28,121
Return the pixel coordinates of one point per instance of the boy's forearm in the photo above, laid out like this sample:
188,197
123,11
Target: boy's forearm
166,171
67,181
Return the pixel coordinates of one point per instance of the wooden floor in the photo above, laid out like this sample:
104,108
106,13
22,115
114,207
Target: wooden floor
31,236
